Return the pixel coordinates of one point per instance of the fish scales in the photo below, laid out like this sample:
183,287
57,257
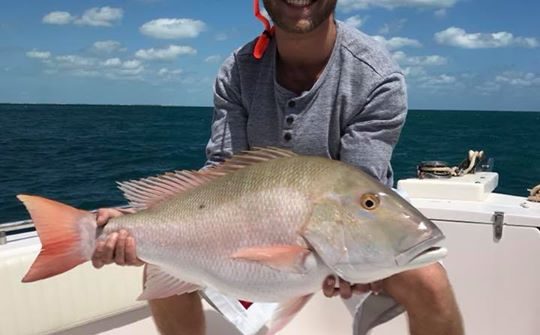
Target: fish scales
198,230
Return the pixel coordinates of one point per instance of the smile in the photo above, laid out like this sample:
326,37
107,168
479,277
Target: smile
299,3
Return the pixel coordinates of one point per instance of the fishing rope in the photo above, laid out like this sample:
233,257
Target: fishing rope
439,170
264,39
535,194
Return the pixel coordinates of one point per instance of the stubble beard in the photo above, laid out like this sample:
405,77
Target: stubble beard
304,25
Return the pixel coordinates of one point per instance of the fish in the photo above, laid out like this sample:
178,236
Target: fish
267,225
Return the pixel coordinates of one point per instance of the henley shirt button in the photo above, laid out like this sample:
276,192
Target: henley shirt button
287,136
292,103
289,119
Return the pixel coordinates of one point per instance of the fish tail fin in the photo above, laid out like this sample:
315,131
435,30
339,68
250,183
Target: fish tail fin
67,236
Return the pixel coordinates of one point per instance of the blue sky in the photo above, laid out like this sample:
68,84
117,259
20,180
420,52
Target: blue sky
457,54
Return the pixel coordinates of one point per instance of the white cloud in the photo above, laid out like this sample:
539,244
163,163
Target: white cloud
173,28
118,69
414,71
442,79
432,60
131,64
75,65
107,46
97,17
85,73
414,67
509,80
458,37
392,27
38,54
213,59
437,83
354,21
348,5
170,53
74,61
59,18
112,62
168,73
100,17
397,42
518,79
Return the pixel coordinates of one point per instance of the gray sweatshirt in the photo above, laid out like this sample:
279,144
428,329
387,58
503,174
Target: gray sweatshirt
354,112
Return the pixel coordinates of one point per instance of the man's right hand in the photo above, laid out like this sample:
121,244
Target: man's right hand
119,247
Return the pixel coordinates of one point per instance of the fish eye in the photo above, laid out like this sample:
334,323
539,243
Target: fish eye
370,201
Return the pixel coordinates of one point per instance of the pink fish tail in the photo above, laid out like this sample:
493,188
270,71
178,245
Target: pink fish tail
67,236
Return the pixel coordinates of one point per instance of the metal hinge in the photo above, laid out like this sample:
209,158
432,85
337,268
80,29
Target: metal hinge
498,222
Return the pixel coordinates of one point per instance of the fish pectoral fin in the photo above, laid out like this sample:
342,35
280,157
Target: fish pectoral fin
160,284
285,312
288,258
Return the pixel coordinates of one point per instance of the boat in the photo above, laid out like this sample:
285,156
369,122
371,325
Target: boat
493,241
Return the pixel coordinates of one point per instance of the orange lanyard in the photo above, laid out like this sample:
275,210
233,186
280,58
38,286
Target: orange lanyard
264,39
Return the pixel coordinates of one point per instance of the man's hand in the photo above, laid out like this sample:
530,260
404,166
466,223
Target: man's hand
118,247
425,293
346,290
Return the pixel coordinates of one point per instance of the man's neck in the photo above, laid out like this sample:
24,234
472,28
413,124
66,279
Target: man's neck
307,49
303,57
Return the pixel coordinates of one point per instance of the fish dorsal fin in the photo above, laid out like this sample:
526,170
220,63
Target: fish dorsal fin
146,192
251,157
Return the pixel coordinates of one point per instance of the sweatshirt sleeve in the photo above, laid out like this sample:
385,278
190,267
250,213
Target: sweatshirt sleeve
371,135
228,130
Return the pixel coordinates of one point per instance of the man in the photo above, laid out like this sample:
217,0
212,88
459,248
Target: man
318,88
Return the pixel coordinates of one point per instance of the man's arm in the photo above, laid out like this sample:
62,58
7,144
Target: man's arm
370,136
229,124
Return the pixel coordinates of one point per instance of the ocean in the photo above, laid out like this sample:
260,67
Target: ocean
76,153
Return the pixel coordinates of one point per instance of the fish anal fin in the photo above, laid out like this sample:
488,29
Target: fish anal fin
285,312
288,258
160,284
147,192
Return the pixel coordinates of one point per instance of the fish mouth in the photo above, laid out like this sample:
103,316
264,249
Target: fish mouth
428,256
423,253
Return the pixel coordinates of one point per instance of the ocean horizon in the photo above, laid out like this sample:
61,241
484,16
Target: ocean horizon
205,106
76,153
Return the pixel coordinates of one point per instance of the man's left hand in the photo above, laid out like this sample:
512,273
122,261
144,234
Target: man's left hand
346,289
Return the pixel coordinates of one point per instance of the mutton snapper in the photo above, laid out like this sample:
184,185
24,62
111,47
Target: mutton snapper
266,226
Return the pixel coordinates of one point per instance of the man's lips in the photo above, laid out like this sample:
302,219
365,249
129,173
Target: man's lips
299,3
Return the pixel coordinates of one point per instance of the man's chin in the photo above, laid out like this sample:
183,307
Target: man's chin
303,27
